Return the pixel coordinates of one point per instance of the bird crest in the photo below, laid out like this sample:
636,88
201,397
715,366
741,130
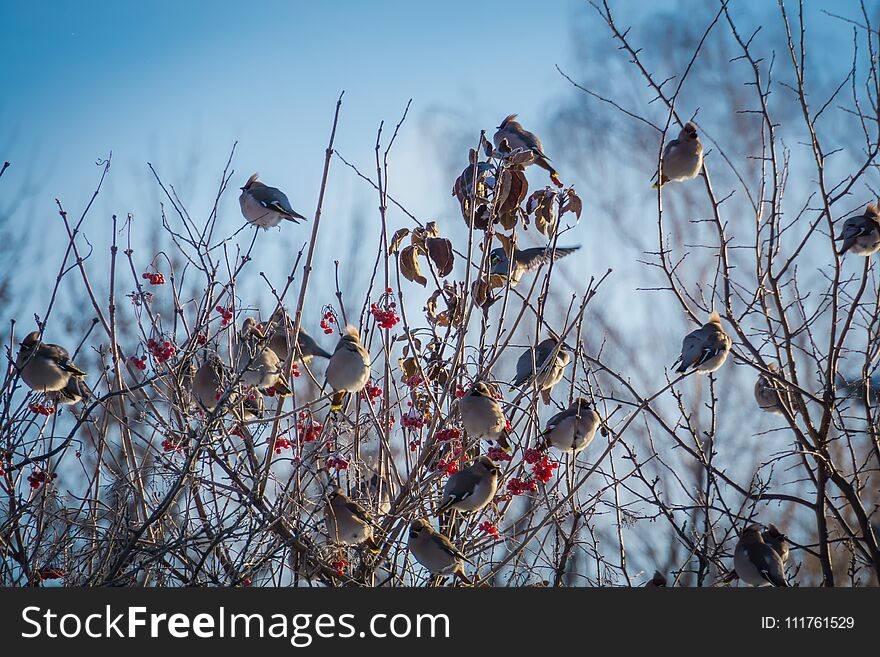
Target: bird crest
510,118
251,181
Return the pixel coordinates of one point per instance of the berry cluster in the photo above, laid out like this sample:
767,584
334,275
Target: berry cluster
507,426
414,444
517,486
372,392
246,581
226,314
501,499
498,455
39,477
339,567
50,572
459,391
41,409
490,528
169,445
328,318
155,279
281,443
270,391
412,419
161,351
386,313
414,381
294,371
337,463
307,428
139,363
542,466
201,339
452,433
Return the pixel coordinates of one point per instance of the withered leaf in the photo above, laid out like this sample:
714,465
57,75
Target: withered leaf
397,240
572,203
409,367
440,252
409,266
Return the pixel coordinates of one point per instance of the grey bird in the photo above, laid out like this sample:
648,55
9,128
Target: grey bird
348,523
208,382
682,157
574,428
265,206
777,540
861,234
281,331
756,563
482,416
472,488
524,261
256,364
349,367
769,395
44,367
657,581
705,349
436,552
549,373
510,136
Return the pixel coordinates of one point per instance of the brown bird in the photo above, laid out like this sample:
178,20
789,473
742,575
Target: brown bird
705,349
510,136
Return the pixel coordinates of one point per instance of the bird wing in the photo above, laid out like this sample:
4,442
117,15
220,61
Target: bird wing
358,511
856,227
768,563
693,349
532,258
446,545
554,421
462,487
524,367
273,198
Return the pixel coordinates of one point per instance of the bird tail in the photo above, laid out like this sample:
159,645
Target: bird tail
503,442
281,386
293,216
337,400
373,546
73,369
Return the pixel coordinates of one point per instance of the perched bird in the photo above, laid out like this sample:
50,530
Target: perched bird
257,365
776,540
524,261
861,234
209,381
657,581
511,136
757,563
705,349
249,405
768,394
472,488
436,552
682,157
349,367
265,206
44,367
348,523
574,428
279,339
75,391
482,416
549,374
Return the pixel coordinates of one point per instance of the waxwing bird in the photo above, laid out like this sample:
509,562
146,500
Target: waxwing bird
265,206
549,373
249,406
682,157
208,382
756,563
436,552
657,581
257,365
777,540
349,367
524,261
482,416
861,234
44,367
348,523
281,334
472,488
705,349
768,394
574,428
511,136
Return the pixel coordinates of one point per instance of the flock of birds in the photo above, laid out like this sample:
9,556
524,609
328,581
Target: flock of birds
262,352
